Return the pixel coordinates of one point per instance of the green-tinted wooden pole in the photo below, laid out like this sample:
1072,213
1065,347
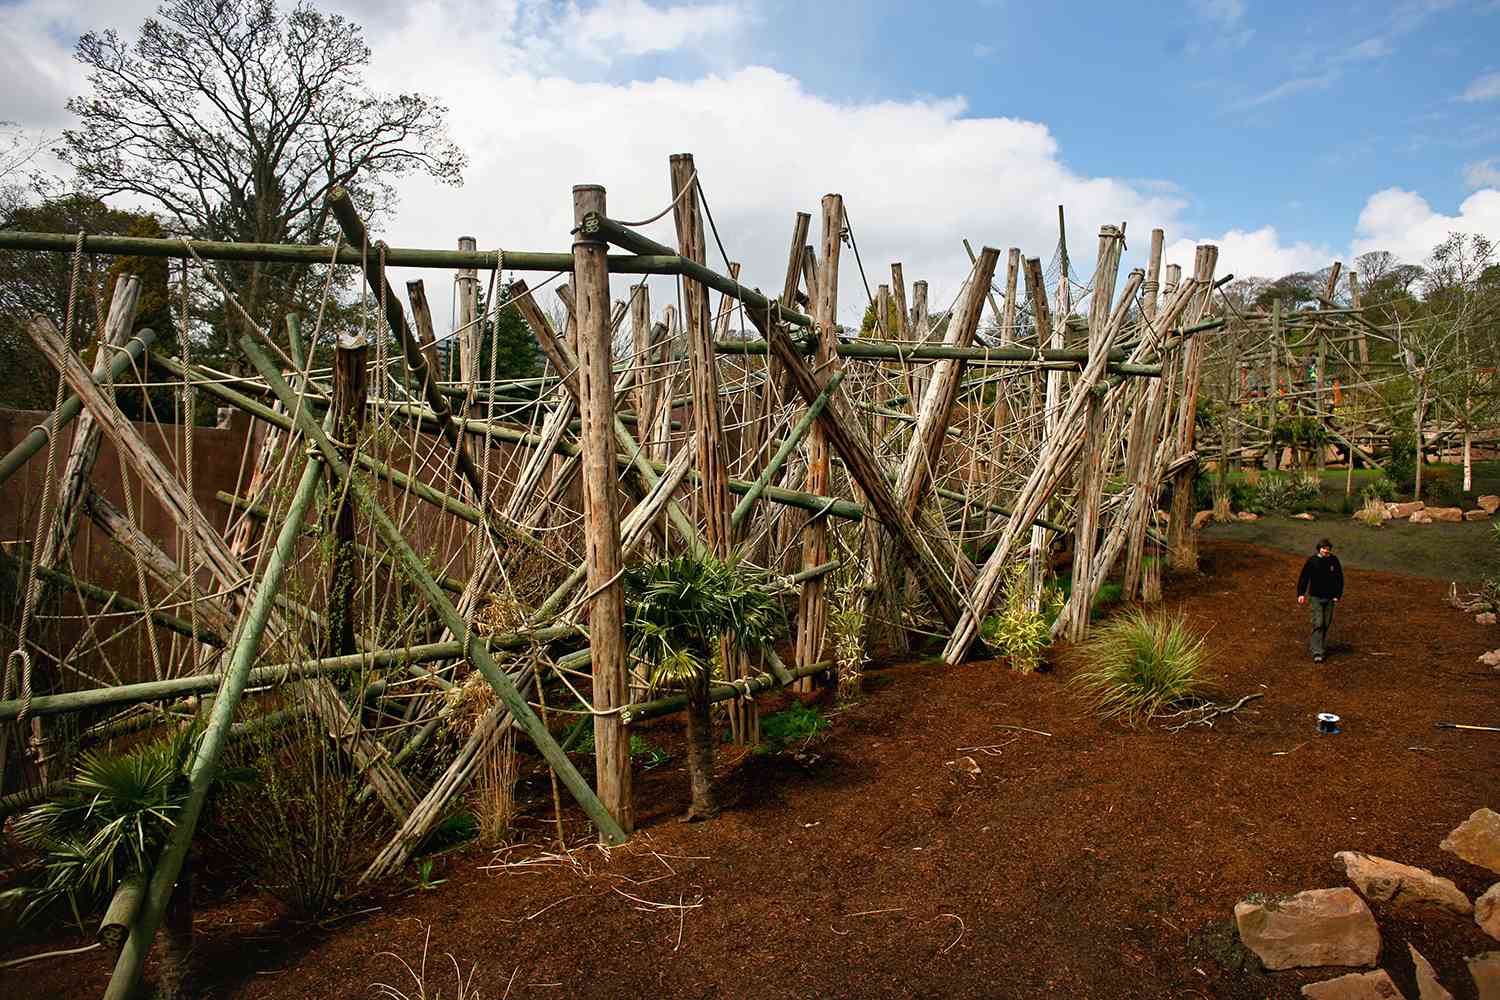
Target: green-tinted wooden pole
205,764
32,443
742,509
478,651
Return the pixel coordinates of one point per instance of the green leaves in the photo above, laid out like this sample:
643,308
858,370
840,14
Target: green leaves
1137,665
110,823
679,606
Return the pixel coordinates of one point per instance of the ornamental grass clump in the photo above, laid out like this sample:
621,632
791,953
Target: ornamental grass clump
1137,666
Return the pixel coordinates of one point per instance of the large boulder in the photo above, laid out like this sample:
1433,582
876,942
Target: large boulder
1485,969
1487,911
1491,659
1489,502
1375,985
1405,509
1453,514
1428,987
1373,514
1201,519
1246,515
1478,514
1316,927
1477,840
1420,517
1306,515
1401,885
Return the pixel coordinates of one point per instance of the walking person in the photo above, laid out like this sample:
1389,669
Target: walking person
1319,587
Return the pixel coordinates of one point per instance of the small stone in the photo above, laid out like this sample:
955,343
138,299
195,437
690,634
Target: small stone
1202,518
1476,515
1428,987
1401,885
1420,517
1491,659
1316,927
1246,515
1375,985
1487,911
1405,509
1477,840
1485,618
1489,503
1306,515
1452,514
1485,970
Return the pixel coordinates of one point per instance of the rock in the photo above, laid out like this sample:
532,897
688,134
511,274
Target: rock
1487,911
1316,927
1428,987
1162,517
1201,518
1373,514
1477,840
1420,517
1453,514
1485,970
1355,986
1489,503
1401,885
1485,618
1306,515
1491,659
1405,509
1246,515
1476,515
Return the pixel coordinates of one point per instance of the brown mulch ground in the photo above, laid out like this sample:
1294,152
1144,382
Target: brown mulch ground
1091,862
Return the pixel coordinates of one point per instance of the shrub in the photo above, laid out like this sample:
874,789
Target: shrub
1401,463
110,823
789,728
1285,494
1379,488
300,827
1018,632
1136,665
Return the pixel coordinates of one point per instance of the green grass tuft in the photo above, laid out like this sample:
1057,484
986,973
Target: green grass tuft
1136,665
791,727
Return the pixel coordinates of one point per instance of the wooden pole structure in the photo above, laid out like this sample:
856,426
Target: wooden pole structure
601,520
812,611
1046,331
1135,546
1092,457
57,422
1182,543
205,765
470,340
349,396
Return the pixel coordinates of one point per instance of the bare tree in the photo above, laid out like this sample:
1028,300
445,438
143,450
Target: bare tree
237,118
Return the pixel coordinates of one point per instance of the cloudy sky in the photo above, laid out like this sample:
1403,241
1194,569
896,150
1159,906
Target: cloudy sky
1289,134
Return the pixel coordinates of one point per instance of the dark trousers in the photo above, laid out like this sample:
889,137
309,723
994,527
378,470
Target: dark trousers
1320,613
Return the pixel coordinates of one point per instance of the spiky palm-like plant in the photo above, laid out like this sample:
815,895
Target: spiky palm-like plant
1136,665
110,824
679,607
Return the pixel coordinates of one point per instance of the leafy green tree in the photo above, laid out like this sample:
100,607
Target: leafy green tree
678,608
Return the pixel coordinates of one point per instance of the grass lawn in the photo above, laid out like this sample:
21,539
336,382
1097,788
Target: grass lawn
1466,552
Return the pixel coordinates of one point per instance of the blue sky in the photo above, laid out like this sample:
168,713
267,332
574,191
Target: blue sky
1288,134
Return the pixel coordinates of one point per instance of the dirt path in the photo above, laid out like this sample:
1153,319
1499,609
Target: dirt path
1091,862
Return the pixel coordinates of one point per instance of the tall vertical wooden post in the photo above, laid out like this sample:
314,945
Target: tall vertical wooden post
1091,456
1135,548
1364,342
601,520
812,612
471,339
1182,541
1001,416
708,433
1151,572
1051,334
350,388
1273,392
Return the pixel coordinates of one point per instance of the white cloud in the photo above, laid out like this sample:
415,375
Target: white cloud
1225,12
1289,88
1370,48
1405,224
1482,88
635,28
1482,173
1252,254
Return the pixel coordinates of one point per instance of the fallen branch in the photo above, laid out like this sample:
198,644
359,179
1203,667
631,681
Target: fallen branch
1206,713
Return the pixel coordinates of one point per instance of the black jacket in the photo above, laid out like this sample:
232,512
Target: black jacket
1321,578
